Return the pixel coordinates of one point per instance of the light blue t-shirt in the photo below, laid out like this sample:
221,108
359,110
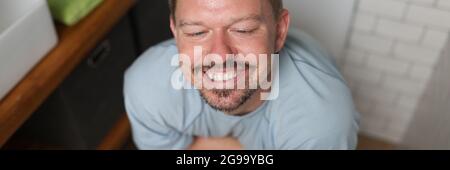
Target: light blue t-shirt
314,108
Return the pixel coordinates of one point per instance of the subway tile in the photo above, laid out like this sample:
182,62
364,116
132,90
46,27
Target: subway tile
371,43
428,16
400,31
388,8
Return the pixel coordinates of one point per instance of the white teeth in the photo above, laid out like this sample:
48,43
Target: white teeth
221,76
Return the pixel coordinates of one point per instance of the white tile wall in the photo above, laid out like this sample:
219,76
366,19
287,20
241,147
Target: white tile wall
386,8
393,49
435,38
371,43
444,4
428,16
395,29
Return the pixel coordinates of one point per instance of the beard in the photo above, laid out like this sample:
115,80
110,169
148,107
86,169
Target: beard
227,100
223,99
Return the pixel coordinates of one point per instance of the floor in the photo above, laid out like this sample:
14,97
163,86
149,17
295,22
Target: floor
369,143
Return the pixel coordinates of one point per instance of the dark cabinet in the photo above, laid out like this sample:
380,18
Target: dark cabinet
86,106
88,103
151,22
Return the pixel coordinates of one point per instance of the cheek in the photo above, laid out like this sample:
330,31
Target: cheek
186,49
256,49
254,45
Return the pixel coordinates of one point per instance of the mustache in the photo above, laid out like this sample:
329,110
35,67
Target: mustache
228,64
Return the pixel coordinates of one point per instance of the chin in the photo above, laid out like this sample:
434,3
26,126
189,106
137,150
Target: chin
227,100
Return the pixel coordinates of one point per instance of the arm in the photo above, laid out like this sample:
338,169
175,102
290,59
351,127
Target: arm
150,133
225,143
148,129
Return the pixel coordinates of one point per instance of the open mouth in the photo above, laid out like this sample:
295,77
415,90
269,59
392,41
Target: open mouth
224,78
221,76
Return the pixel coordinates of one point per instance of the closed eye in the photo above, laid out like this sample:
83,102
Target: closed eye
245,31
195,34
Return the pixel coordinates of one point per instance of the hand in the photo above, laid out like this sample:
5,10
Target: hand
225,143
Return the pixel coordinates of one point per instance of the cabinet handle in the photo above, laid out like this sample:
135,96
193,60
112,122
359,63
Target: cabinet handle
99,54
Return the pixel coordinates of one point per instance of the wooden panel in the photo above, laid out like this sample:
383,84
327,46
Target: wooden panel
74,43
118,135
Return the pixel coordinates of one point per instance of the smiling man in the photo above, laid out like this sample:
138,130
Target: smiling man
253,84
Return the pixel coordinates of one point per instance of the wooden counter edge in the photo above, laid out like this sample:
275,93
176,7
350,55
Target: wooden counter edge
74,44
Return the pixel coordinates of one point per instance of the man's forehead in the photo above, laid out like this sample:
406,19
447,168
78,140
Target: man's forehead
216,7
232,20
217,4
195,12
212,4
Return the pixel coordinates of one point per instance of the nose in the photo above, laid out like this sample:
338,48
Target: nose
220,45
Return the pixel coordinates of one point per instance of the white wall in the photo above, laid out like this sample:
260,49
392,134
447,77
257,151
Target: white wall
393,50
327,20
430,127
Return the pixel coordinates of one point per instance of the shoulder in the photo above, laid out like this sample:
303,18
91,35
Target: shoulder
150,74
148,90
303,120
305,51
315,108
152,65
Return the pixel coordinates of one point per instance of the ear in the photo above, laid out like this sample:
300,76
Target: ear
173,26
282,29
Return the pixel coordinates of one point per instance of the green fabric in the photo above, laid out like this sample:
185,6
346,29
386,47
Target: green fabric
69,12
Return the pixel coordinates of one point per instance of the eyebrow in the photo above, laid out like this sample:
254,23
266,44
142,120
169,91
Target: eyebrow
254,17
184,23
